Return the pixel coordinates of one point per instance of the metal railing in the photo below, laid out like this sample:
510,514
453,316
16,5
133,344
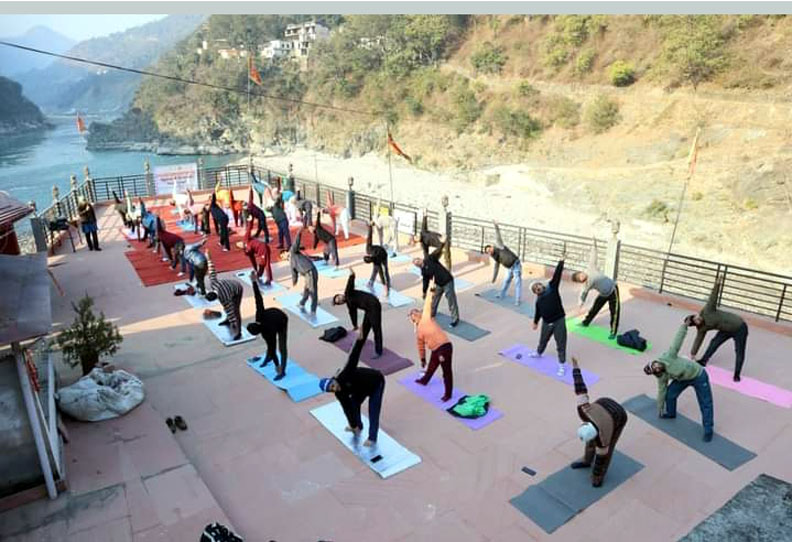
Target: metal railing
759,292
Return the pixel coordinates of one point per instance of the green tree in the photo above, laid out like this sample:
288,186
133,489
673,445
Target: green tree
694,47
602,114
488,58
622,74
89,337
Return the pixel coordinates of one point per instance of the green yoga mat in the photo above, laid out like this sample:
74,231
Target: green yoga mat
600,334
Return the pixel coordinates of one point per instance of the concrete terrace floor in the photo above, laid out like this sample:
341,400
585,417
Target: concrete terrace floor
254,459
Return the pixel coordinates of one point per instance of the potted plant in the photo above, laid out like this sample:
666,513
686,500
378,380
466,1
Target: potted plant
89,337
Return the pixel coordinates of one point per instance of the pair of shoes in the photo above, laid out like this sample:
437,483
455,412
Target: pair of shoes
611,336
580,465
225,249
421,382
516,303
534,355
561,370
223,323
445,398
736,378
97,249
667,416
176,423
455,323
708,436
376,356
302,308
237,337
497,296
280,376
584,324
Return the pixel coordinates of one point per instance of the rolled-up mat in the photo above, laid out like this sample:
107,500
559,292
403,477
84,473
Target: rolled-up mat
600,334
298,383
721,450
466,330
564,494
389,363
507,302
386,458
547,365
395,299
433,392
290,303
223,333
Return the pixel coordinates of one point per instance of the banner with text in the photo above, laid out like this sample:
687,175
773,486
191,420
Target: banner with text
180,176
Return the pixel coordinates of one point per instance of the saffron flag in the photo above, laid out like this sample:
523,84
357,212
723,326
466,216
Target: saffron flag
693,155
396,148
80,124
255,76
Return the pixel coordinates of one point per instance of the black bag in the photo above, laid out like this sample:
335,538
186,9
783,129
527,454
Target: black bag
632,339
333,334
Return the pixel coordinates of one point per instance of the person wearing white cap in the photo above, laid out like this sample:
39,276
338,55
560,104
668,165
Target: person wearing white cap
88,222
603,422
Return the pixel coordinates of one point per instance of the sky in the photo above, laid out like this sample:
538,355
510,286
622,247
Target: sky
76,27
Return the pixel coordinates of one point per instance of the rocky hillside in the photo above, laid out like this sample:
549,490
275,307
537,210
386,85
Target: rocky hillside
596,112
17,113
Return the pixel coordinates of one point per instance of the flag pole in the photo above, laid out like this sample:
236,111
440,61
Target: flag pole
390,170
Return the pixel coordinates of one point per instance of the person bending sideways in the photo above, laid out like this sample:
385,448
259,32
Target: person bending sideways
196,261
503,256
282,221
303,265
254,212
674,374
603,422
356,300
378,258
430,335
433,270
607,292
353,385
339,215
259,253
432,239
273,326
327,238
728,325
229,293
172,246
221,223
550,310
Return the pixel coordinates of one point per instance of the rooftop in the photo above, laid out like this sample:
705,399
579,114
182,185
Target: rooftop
255,460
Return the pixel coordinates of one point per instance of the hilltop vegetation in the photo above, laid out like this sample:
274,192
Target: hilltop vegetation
17,113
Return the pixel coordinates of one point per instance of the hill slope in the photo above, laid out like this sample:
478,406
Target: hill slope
17,113
15,61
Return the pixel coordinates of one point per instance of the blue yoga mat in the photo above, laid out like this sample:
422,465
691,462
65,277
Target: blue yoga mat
273,288
290,303
328,270
298,383
395,299
525,308
400,258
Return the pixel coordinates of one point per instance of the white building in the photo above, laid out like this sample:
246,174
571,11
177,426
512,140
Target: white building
303,36
276,49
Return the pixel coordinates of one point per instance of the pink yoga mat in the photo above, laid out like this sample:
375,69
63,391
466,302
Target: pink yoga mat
751,387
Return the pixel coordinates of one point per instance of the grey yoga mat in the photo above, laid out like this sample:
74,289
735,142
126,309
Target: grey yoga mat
466,330
721,450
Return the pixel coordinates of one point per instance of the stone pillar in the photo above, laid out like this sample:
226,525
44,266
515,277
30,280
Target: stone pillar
149,178
39,228
73,197
350,199
612,253
89,192
201,176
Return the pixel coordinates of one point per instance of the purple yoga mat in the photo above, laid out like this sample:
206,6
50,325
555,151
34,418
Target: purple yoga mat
547,365
433,391
389,363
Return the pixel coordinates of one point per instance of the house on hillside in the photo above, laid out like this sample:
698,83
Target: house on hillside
302,37
275,49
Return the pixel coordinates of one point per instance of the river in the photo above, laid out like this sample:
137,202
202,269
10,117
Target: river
32,163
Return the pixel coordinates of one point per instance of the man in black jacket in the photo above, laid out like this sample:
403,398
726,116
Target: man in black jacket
501,255
378,257
305,208
221,223
303,265
550,310
352,386
329,240
432,269
433,239
282,221
273,325
372,311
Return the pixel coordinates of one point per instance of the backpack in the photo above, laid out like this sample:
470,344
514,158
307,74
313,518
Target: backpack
470,406
333,334
632,339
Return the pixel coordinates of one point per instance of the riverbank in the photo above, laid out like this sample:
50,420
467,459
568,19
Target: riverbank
572,200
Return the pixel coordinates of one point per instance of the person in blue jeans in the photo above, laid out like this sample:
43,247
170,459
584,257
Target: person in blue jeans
501,255
681,373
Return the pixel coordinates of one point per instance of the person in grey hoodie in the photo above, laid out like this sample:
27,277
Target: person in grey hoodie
303,265
594,279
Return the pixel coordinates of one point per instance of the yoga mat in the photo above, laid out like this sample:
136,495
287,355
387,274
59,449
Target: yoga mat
298,383
223,334
525,308
546,365
721,450
395,299
600,334
388,363
196,301
750,387
562,495
399,258
328,270
273,288
129,234
290,303
466,330
386,458
433,392
186,226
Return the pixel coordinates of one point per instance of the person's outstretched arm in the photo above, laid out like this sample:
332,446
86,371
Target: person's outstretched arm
498,238
580,385
295,248
352,360
368,239
559,271
259,299
712,301
676,344
350,287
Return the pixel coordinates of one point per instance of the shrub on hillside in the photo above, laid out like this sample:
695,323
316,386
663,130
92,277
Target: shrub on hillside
657,209
622,74
526,90
556,53
563,112
516,123
467,108
584,62
602,114
414,106
488,58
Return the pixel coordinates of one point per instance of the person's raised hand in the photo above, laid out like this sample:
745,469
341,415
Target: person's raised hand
575,363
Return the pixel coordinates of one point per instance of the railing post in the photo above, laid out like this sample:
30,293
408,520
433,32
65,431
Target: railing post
481,243
201,185
781,303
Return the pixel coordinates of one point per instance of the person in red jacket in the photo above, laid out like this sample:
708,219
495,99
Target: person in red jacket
173,247
258,252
